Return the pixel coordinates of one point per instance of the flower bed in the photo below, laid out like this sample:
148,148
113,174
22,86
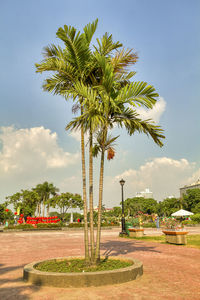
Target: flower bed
39,220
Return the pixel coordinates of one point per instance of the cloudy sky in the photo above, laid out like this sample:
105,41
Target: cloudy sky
34,146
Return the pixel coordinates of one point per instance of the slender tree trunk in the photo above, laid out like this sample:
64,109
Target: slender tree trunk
97,252
39,209
91,198
43,211
47,210
87,258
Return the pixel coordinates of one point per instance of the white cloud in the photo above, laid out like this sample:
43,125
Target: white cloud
31,148
77,136
164,176
155,113
195,176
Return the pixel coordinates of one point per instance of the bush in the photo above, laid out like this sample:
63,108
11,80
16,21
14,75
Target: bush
195,218
105,224
21,226
75,225
149,225
135,222
49,225
189,222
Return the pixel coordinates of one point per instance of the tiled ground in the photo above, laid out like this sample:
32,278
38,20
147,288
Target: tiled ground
170,272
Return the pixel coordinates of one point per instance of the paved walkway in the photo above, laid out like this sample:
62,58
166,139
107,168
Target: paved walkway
170,272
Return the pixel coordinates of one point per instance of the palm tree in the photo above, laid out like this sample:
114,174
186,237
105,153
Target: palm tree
46,190
107,105
76,63
71,64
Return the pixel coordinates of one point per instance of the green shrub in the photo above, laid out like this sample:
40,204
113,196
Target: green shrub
20,226
189,222
49,225
134,221
75,225
195,218
149,225
105,224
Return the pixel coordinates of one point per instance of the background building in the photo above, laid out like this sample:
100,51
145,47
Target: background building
145,194
195,185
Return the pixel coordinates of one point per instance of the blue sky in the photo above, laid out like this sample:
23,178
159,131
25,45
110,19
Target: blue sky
34,146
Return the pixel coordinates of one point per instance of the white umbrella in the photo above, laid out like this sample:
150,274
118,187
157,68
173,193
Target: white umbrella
181,213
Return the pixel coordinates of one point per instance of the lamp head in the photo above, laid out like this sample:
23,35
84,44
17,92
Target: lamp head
122,182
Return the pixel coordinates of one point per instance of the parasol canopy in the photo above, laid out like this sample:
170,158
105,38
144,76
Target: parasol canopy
181,213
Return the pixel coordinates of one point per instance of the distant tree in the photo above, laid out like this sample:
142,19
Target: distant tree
65,201
26,200
45,191
3,213
133,205
115,212
168,206
192,200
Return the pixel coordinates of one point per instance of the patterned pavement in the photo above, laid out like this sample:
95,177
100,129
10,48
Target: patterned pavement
170,272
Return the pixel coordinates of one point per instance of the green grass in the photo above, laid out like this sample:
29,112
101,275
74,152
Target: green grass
78,265
192,240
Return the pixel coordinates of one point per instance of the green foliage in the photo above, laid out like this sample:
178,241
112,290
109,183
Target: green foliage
149,225
195,218
75,225
20,226
26,200
5,215
116,212
135,222
50,225
2,212
168,206
192,200
189,222
65,201
78,265
146,206
109,224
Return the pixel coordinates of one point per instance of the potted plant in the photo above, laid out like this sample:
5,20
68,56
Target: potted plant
174,231
136,230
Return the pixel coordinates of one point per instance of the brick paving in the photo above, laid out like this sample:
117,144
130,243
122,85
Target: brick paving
170,272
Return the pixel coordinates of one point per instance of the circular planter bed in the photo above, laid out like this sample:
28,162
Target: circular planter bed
83,279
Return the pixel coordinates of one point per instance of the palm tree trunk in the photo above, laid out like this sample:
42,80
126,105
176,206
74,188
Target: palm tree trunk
91,198
39,209
43,211
87,259
47,210
97,252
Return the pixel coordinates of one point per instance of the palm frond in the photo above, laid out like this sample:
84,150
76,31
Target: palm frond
106,45
123,59
138,93
89,30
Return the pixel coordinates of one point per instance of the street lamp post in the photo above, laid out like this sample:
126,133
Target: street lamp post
123,232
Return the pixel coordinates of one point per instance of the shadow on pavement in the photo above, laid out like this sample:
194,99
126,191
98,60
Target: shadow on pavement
15,288
124,247
9,269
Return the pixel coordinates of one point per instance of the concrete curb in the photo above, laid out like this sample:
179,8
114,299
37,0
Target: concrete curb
87,279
